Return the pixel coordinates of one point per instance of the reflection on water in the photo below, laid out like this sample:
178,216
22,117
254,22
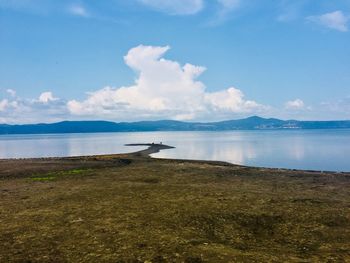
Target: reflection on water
311,149
25,146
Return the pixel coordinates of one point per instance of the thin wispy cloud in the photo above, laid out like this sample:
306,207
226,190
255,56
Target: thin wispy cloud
11,92
336,20
229,4
291,10
221,8
340,106
224,9
78,10
290,14
179,7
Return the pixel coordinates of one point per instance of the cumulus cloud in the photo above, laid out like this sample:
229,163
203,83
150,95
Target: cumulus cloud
178,7
46,97
336,20
231,100
296,104
46,108
6,105
163,89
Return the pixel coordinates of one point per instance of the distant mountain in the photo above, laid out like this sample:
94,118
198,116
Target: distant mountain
251,123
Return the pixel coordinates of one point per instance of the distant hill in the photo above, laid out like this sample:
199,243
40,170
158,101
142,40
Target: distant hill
251,123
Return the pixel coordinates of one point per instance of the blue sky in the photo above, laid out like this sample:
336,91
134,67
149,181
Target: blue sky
160,59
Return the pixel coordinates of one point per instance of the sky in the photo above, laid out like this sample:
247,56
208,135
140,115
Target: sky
189,60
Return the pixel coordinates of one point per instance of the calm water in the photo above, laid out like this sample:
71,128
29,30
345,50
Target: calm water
310,149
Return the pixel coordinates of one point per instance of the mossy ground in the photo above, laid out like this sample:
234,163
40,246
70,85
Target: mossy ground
128,209
58,174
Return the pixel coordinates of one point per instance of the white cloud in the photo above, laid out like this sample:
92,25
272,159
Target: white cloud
175,7
44,109
11,92
336,20
3,104
163,89
6,104
46,97
231,99
296,104
78,10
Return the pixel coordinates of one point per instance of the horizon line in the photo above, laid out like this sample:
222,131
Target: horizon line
185,121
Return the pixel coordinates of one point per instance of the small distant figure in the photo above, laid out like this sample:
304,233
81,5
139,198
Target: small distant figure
160,143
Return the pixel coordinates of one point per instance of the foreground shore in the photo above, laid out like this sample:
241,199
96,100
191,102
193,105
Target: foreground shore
133,208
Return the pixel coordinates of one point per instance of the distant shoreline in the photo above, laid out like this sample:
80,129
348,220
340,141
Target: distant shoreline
251,123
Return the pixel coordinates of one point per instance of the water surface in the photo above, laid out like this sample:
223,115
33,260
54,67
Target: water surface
299,149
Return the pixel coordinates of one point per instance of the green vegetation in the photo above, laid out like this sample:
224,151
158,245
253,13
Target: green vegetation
54,175
137,209
45,178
